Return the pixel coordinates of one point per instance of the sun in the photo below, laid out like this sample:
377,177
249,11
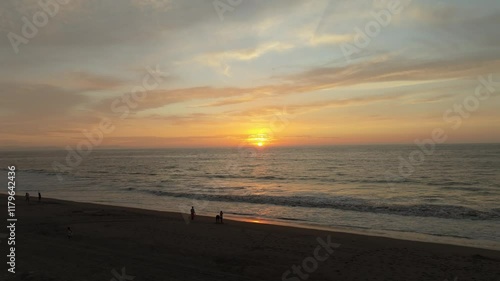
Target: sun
259,140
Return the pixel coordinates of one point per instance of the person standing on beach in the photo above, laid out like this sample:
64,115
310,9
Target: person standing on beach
27,197
39,197
221,217
192,212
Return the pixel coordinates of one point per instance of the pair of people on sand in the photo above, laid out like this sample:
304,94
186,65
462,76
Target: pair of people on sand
27,197
218,218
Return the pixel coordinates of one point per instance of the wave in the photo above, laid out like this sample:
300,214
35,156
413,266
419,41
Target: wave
288,219
218,176
50,172
344,203
36,171
98,172
475,189
451,183
324,178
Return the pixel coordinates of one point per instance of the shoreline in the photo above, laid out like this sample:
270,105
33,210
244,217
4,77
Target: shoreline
392,234
153,244
397,235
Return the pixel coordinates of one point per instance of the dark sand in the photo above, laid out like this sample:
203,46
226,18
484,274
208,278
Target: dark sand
159,246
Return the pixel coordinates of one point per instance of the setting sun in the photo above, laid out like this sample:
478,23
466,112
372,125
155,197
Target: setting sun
258,139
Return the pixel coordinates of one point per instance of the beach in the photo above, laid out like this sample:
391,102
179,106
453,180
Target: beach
117,243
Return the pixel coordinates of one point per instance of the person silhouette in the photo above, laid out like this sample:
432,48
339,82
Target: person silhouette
221,214
39,197
27,197
192,212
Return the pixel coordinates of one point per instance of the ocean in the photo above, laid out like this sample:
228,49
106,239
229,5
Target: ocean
449,193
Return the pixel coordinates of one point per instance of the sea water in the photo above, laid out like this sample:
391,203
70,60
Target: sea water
448,193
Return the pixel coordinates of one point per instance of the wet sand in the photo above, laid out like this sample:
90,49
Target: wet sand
132,244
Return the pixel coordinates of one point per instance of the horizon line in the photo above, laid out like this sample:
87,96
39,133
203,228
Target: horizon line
58,148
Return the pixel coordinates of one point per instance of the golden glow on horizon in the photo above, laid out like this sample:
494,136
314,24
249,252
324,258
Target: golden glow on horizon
259,140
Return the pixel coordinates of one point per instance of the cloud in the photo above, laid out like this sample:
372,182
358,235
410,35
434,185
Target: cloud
454,28
38,99
229,101
90,82
155,141
153,4
36,109
106,23
302,108
162,97
186,119
331,39
388,69
397,69
220,60
433,99
312,34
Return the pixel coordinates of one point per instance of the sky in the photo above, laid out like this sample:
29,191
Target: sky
197,73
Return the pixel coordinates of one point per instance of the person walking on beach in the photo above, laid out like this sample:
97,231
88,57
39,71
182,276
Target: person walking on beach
39,197
192,212
221,217
27,197
70,233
